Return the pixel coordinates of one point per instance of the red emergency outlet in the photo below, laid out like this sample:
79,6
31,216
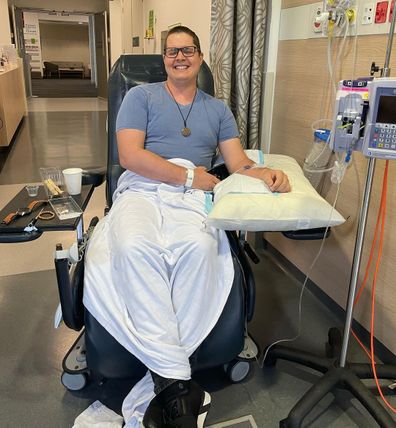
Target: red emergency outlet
391,10
381,12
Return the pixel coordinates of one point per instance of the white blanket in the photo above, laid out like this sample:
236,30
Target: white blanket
156,278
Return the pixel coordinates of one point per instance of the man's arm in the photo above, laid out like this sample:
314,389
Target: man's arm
134,157
236,160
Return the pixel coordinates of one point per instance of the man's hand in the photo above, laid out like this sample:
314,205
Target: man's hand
203,180
275,179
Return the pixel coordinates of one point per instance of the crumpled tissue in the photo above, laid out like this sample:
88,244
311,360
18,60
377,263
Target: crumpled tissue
98,415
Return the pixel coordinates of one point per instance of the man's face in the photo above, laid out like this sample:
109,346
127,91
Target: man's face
182,68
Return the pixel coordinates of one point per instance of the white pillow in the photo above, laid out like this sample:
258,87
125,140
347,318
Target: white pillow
245,203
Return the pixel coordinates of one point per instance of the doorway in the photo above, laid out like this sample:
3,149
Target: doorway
66,70
62,52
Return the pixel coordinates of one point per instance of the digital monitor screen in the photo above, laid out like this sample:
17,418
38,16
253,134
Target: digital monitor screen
386,109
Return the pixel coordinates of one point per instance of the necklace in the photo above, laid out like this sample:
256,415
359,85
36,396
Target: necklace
186,131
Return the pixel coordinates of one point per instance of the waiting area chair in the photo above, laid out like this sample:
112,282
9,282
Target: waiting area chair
96,353
51,69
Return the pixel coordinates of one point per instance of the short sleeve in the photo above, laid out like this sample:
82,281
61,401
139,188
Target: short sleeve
133,111
228,126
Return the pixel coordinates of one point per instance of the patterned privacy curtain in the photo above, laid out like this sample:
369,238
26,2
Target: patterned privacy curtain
237,61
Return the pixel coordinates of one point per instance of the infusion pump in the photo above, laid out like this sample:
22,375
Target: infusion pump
365,117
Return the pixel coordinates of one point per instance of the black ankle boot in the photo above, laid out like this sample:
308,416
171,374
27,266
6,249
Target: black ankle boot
153,416
185,405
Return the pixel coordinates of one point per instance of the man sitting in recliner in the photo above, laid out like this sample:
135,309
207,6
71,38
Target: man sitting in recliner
164,275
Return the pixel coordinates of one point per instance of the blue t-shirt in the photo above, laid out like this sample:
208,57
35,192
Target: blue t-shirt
150,108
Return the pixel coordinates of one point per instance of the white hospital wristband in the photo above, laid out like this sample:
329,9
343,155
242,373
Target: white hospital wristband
189,178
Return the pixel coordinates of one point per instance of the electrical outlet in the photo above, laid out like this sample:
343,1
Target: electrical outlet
368,14
381,12
317,25
392,7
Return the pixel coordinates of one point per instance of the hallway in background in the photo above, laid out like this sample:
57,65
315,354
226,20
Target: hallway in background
57,132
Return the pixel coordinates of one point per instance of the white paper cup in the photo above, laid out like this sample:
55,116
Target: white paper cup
73,177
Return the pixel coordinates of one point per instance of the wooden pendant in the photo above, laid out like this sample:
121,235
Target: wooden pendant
186,132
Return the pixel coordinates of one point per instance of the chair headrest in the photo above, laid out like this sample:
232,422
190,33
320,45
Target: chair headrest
127,72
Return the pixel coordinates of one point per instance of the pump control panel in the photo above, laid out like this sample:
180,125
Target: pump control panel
380,127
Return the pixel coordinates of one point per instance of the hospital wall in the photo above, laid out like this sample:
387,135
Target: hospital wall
195,15
301,98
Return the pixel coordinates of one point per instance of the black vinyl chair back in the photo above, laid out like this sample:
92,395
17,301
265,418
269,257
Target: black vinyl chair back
50,67
127,72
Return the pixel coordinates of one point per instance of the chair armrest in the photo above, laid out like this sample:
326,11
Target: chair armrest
250,286
70,287
94,176
308,234
71,283
220,171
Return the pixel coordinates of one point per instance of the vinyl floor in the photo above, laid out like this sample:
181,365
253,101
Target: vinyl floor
59,133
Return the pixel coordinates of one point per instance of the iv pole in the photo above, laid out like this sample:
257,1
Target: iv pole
336,371
363,220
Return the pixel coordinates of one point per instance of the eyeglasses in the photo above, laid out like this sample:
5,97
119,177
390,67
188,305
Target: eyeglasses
187,51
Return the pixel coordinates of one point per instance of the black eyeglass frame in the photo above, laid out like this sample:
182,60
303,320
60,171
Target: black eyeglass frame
181,50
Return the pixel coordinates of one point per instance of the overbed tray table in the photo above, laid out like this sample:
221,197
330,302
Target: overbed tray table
14,232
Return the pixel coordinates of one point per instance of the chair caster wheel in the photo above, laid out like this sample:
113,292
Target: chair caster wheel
74,382
237,370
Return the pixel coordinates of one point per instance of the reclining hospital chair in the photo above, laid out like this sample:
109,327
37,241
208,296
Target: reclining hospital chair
96,353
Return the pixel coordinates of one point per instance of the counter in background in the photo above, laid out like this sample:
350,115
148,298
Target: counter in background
12,103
